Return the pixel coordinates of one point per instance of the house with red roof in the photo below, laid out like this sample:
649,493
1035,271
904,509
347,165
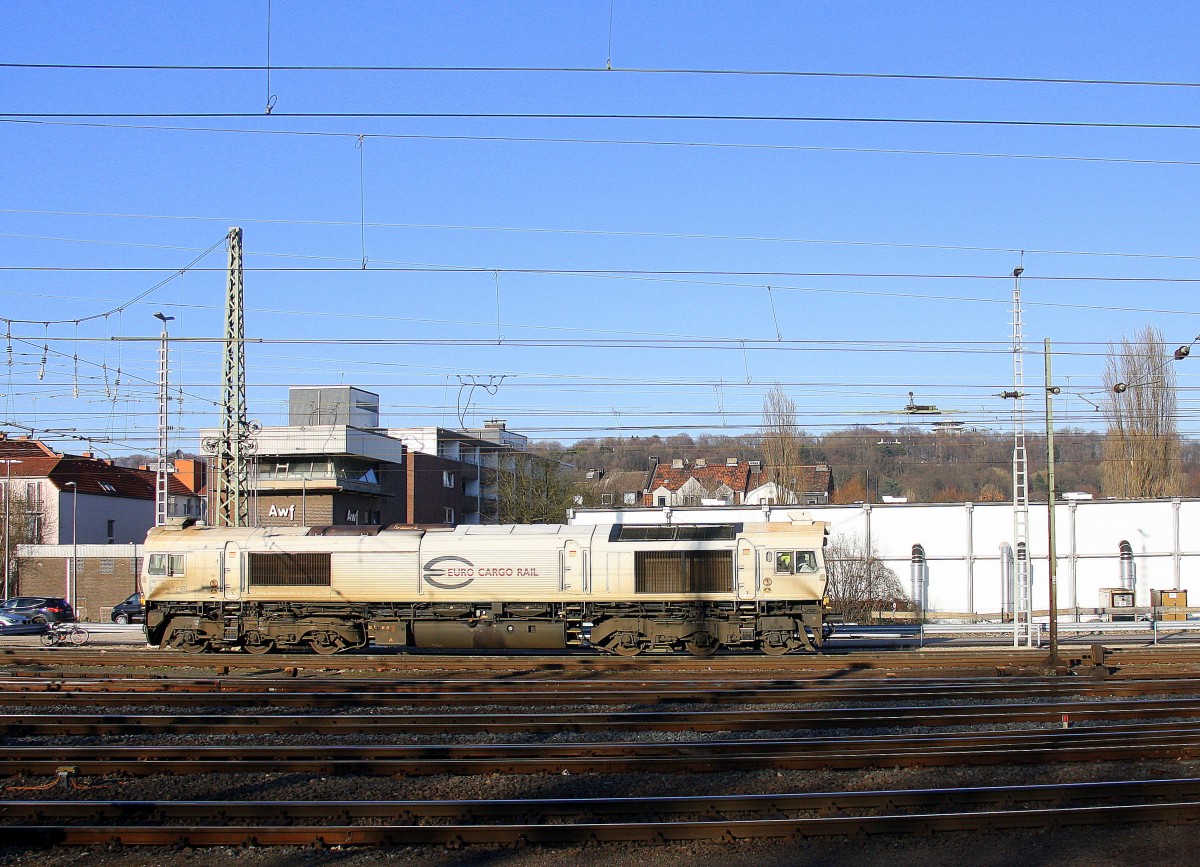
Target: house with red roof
54,498
733,483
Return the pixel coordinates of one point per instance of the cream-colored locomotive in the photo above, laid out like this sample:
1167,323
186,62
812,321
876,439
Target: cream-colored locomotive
621,588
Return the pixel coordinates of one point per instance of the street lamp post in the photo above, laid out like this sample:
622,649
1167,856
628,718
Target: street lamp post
73,585
8,462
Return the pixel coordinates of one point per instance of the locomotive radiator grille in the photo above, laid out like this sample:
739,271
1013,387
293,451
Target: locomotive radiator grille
289,570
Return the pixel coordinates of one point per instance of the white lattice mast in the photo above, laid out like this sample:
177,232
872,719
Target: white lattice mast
1022,589
161,476
231,452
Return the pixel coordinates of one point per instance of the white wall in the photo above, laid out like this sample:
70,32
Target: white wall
962,543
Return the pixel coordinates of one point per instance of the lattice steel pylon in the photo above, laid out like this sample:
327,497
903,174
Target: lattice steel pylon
233,448
1022,587
162,482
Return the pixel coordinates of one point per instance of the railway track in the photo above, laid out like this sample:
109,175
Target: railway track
576,721
239,732
586,820
1003,659
354,694
1098,743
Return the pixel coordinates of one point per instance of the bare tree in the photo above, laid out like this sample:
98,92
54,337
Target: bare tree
25,527
535,490
1141,452
783,443
860,585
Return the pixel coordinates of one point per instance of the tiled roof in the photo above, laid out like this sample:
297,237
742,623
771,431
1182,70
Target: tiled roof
712,476
92,476
815,479
620,481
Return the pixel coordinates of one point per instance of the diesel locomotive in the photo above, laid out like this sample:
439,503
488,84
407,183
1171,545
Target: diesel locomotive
621,588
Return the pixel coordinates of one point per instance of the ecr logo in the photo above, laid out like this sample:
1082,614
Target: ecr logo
448,567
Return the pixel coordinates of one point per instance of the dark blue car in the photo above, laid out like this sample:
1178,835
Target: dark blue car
132,610
40,609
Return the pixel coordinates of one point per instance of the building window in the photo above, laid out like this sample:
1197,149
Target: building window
447,478
112,531
662,501
449,515
107,566
607,499
631,498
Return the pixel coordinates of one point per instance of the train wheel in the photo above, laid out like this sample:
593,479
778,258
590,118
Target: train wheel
702,644
189,642
626,644
256,643
776,644
326,643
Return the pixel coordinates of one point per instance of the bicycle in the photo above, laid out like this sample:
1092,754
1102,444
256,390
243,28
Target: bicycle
63,633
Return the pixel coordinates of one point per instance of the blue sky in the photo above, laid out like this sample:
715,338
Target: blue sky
551,218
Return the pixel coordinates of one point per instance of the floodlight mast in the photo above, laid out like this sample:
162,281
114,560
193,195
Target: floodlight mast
161,479
1022,589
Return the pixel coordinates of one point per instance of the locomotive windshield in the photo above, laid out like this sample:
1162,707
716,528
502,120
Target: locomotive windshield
795,562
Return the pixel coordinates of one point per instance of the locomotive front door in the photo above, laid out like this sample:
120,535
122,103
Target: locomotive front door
746,577
573,568
231,571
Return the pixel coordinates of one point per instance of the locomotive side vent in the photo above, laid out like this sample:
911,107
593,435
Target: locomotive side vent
289,570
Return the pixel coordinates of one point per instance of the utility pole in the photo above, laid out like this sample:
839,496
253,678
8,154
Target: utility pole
161,480
1051,556
232,448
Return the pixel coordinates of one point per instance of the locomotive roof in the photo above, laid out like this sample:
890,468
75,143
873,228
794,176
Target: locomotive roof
187,528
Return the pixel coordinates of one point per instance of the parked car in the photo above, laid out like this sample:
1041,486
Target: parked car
40,609
132,610
19,624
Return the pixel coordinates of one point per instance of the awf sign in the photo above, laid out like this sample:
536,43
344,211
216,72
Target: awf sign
288,512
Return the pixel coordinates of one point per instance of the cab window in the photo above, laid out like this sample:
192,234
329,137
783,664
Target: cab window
165,564
793,562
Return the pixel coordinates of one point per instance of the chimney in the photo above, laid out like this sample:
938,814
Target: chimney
650,475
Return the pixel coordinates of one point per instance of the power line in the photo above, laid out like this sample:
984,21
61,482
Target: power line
689,236
589,272
614,141
606,70
576,116
178,272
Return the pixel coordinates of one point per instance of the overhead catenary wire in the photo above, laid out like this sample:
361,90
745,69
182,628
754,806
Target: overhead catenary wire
781,73
614,233
177,272
1149,161
616,116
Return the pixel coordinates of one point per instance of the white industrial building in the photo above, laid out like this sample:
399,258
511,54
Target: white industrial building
955,559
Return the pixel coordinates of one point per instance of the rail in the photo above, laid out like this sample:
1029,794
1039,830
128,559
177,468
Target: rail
1152,628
